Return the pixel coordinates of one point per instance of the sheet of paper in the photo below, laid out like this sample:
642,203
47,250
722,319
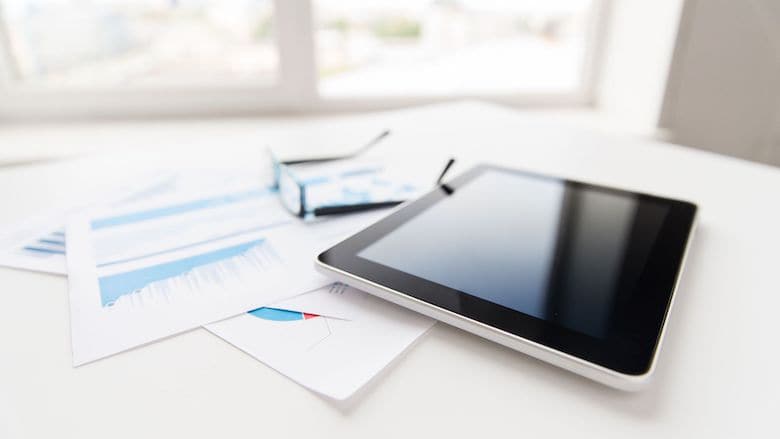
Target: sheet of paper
38,243
141,272
319,302
333,357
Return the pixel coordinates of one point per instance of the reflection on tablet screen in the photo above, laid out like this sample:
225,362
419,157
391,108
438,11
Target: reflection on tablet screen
554,250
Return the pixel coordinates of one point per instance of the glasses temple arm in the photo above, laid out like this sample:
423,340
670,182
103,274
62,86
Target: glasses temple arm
353,154
332,210
444,171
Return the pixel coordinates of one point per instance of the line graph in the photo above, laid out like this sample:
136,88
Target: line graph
204,273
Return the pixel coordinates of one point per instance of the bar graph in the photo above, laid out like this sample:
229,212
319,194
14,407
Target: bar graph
46,245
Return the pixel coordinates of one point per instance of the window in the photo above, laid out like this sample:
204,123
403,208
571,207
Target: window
442,47
117,43
119,57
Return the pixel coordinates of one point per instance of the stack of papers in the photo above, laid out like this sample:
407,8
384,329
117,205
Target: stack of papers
214,249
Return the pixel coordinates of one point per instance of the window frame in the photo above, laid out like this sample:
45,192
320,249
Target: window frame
295,91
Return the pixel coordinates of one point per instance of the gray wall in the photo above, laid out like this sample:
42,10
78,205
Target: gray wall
723,90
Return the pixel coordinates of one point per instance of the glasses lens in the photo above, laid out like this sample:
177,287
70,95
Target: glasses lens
289,190
275,165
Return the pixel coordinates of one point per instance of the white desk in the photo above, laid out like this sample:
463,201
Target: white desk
717,374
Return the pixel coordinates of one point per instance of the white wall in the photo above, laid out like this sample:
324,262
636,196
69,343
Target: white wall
5,68
723,93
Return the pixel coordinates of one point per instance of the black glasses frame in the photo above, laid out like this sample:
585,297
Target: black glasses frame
283,166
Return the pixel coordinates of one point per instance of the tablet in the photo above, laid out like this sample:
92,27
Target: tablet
579,275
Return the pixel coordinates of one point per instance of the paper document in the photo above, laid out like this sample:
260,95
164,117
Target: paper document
320,302
141,272
331,356
38,243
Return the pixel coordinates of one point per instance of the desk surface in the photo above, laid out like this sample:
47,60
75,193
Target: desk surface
716,374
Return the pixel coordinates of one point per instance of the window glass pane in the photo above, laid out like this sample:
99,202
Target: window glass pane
108,43
418,47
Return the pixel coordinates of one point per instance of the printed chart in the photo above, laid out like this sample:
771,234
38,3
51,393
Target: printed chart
142,271
183,249
49,244
331,356
280,315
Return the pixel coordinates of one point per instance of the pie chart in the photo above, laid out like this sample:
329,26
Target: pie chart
280,315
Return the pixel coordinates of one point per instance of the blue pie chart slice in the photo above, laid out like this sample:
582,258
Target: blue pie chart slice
280,315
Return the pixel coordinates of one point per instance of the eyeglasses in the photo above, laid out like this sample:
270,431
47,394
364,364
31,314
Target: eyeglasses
296,194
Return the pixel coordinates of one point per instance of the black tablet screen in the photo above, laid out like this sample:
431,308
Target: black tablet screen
556,250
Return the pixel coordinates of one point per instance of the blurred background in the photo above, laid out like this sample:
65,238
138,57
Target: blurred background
704,73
